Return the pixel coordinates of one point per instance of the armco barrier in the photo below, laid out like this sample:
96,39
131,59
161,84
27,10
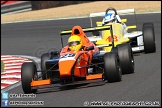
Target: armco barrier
4,2
20,6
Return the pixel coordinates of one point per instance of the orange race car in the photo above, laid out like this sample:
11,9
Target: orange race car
78,63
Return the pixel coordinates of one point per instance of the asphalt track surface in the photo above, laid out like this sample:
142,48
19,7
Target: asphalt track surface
36,38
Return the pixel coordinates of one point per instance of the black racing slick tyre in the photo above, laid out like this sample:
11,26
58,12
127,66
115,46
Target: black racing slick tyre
112,69
28,71
44,58
149,38
126,58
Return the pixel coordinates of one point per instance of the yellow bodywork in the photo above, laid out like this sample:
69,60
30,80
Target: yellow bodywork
118,34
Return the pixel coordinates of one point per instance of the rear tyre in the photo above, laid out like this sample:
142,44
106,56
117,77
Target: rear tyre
149,38
44,58
112,69
126,58
28,71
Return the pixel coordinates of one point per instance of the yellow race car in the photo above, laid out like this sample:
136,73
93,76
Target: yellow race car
139,40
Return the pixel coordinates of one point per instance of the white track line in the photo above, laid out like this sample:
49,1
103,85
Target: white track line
11,76
2,87
13,61
13,64
12,58
8,81
12,67
12,71
5,56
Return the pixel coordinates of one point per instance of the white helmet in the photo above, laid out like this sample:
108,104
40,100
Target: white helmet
109,17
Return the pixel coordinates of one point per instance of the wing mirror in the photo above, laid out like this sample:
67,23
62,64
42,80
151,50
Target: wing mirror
89,48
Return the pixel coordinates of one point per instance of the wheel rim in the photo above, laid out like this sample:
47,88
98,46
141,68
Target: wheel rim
120,72
132,59
119,68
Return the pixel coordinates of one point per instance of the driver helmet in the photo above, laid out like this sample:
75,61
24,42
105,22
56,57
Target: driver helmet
74,43
109,18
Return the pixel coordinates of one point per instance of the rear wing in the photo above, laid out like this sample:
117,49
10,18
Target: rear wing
89,29
119,12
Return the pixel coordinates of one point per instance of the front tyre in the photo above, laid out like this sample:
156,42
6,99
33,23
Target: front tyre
28,71
149,38
112,69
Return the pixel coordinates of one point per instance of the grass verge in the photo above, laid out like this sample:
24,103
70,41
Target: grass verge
2,66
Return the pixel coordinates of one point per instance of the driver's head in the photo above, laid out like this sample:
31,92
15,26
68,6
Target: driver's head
109,18
74,43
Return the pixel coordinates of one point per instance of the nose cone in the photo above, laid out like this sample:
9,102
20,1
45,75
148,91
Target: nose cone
65,67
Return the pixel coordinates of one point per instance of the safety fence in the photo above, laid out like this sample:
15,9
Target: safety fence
16,7
10,7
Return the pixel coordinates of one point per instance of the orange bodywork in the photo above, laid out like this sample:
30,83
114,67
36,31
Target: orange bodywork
40,82
66,65
77,61
94,76
77,30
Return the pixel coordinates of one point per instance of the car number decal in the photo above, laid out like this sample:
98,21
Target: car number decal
67,55
109,39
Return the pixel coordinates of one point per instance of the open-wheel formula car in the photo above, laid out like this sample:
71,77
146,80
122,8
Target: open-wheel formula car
84,67
141,41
